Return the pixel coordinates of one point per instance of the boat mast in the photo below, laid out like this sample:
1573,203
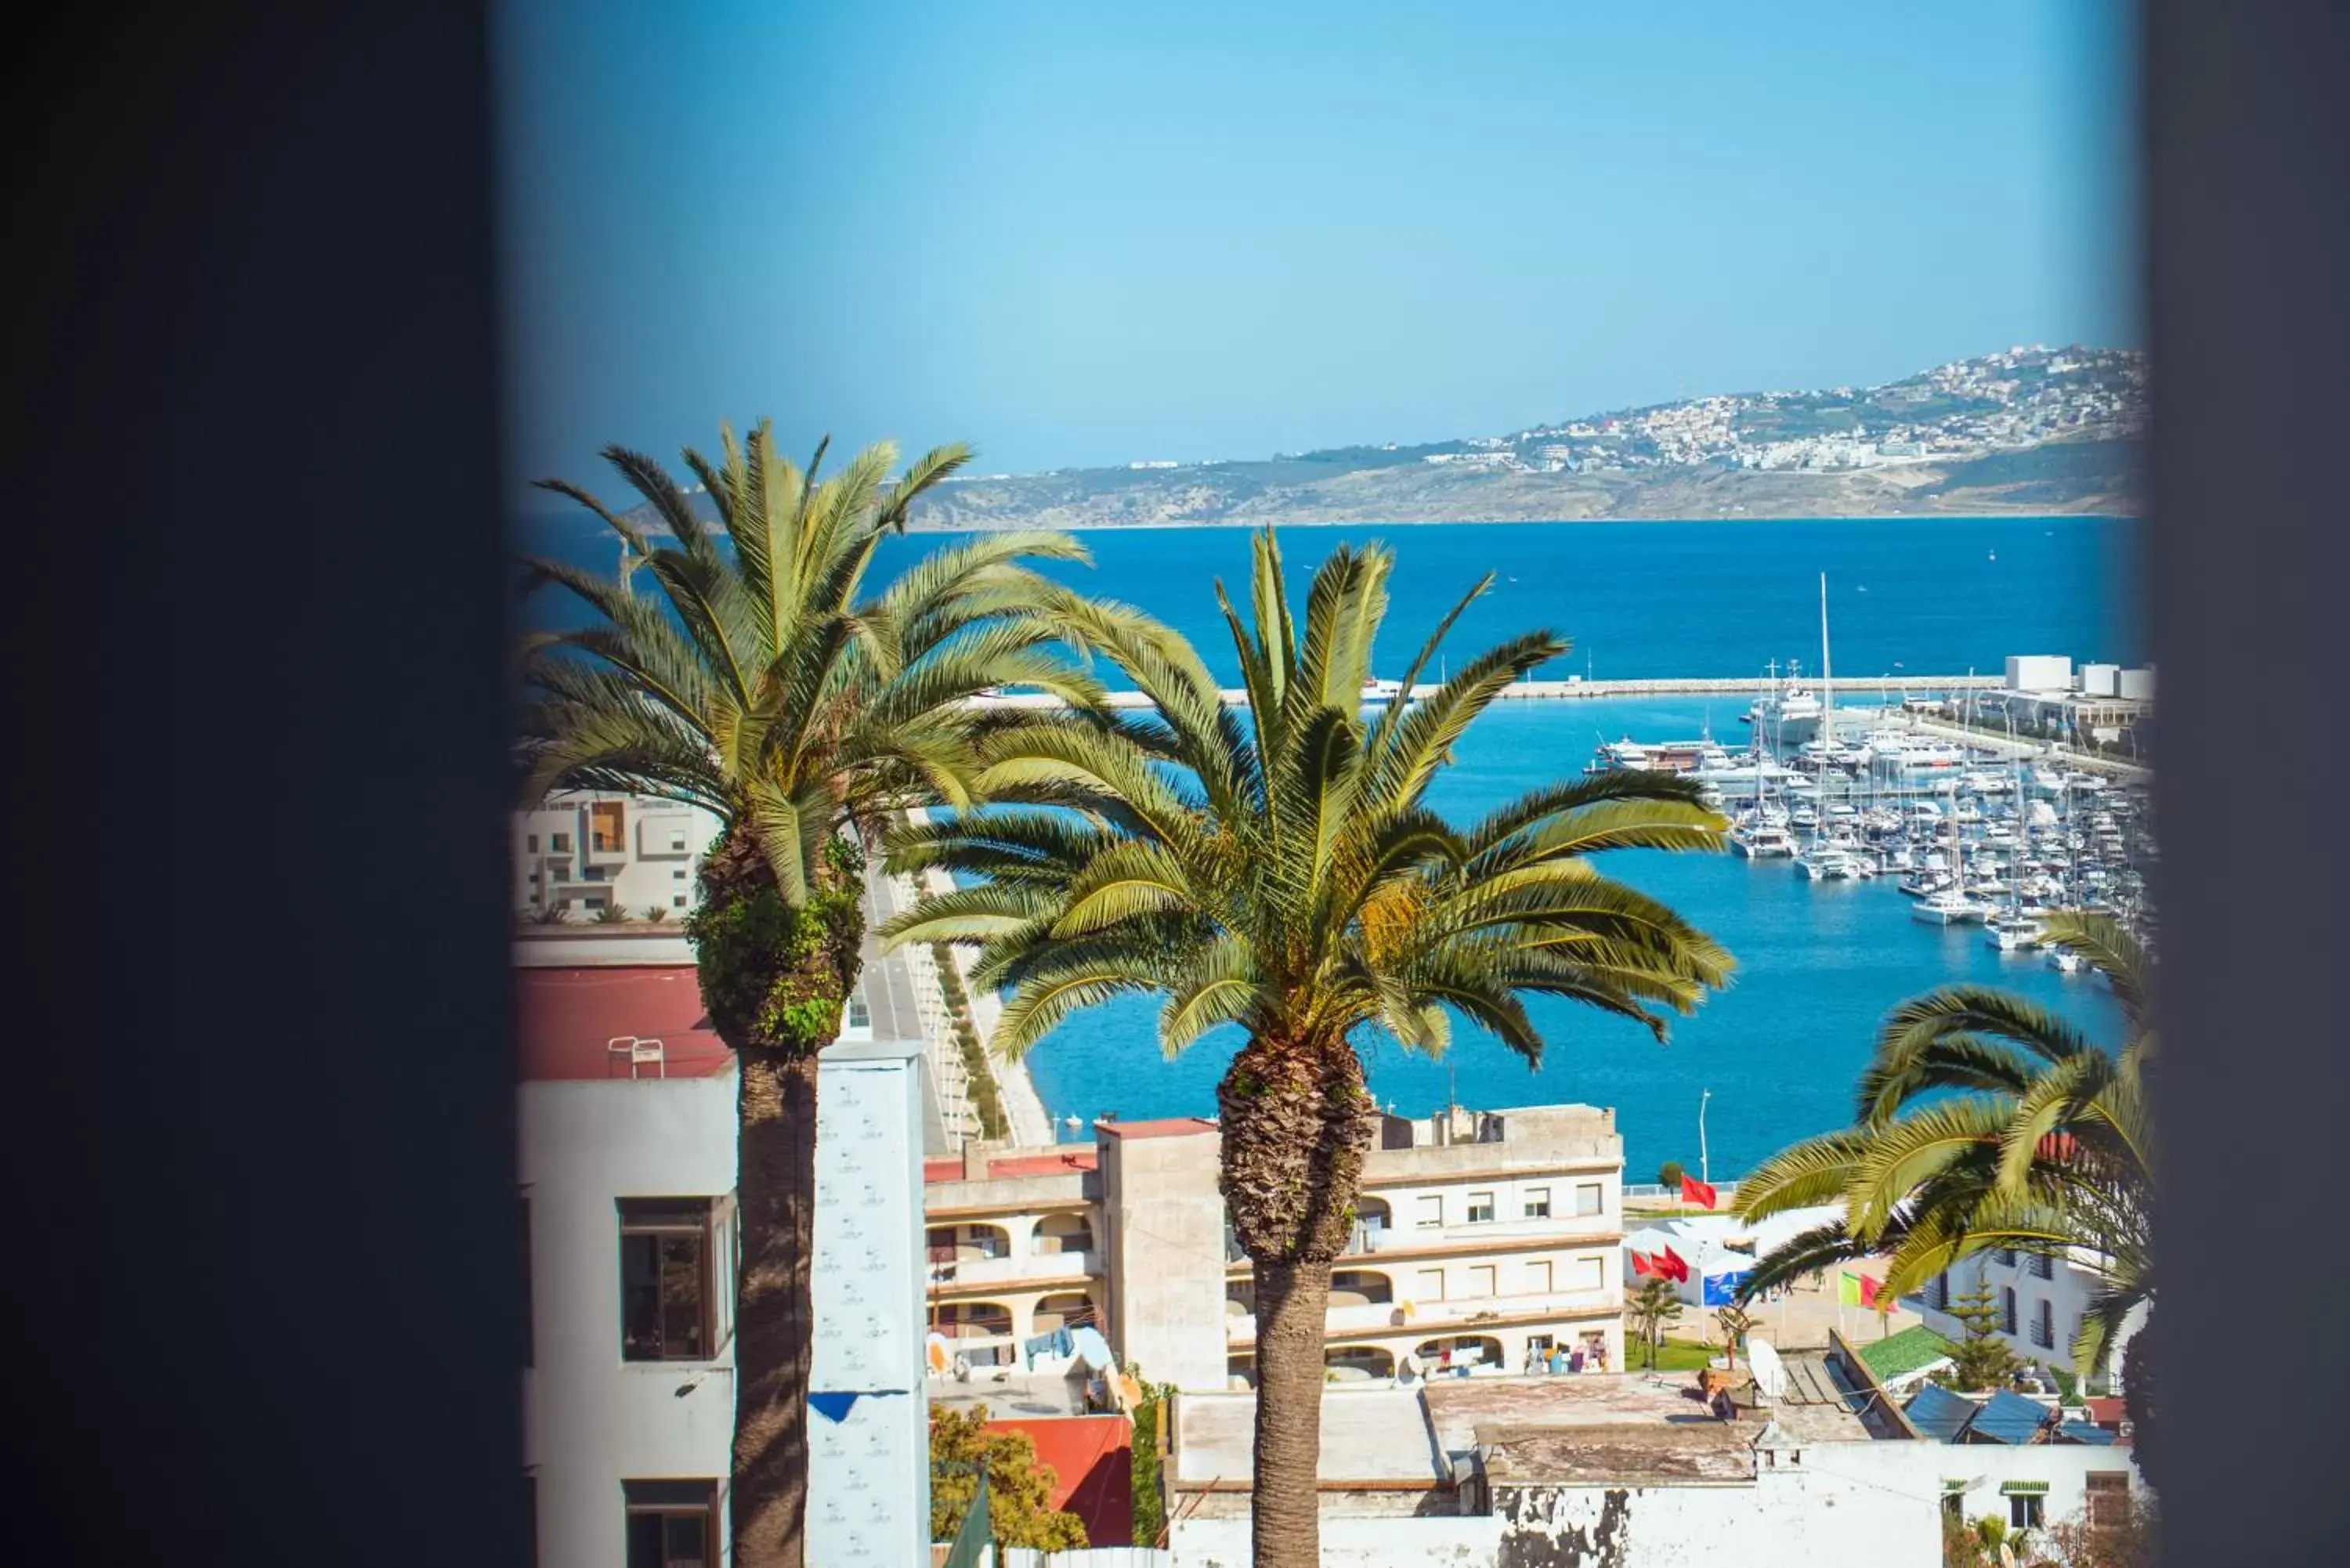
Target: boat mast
1827,675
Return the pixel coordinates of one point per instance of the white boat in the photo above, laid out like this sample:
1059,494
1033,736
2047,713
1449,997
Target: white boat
1947,908
2012,932
1830,864
2067,960
1763,840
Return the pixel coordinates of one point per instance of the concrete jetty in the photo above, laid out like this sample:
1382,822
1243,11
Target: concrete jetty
1577,688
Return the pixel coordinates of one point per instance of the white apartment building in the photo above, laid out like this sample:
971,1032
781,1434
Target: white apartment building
588,850
627,1108
2040,1301
1482,1237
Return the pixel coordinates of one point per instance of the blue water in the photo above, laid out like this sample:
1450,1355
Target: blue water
1819,964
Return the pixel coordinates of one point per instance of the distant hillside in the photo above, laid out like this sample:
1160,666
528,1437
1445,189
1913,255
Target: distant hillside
2030,429
2033,431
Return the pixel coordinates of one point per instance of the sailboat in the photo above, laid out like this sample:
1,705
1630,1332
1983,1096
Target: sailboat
1949,906
2012,930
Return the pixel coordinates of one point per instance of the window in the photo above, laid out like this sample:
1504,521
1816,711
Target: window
593,873
676,842
677,875
677,902
559,870
1938,1293
1537,1203
2044,1324
2005,1256
2042,1266
678,1258
1538,1278
559,842
2007,1309
1431,1212
1427,1285
1590,1274
2109,1498
1587,1199
598,902
1481,1208
2025,1510
1482,1282
605,830
671,1523
530,845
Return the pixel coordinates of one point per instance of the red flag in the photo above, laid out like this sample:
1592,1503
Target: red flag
1867,1292
1696,1191
1643,1265
1675,1267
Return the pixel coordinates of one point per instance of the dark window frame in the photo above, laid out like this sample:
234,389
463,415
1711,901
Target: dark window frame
2007,1317
718,1268
2026,1509
695,1499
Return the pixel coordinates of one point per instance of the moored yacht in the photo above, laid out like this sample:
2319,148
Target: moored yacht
1947,908
2012,932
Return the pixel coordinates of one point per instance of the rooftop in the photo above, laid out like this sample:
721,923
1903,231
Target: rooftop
1912,1350
1372,1439
1060,1162
1597,1429
1168,1126
566,1016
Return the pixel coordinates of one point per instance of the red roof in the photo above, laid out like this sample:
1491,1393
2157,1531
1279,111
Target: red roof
1092,1458
1171,1127
1077,1156
567,1015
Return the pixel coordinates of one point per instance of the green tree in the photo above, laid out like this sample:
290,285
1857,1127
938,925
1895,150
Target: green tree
1981,1359
1278,868
766,685
1019,1488
1669,1176
1653,1305
1985,1121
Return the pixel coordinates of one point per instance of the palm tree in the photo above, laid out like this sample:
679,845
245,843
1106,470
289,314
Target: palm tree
1279,868
766,685
1653,1305
1735,1322
1985,1121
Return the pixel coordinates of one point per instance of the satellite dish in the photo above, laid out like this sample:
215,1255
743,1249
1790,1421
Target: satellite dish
1770,1371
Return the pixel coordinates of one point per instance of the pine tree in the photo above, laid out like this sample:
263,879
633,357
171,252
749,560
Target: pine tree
1981,1359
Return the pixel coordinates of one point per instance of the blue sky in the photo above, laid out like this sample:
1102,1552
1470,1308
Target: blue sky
1088,233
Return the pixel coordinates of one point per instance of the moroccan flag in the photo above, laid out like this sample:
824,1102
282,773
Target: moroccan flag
1696,1191
1674,1265
1848,1290
1867,1292
1643,1265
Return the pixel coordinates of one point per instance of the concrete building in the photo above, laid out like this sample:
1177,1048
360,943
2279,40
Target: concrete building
2039,672
627,1108
1482,1237
1635,1471
588,850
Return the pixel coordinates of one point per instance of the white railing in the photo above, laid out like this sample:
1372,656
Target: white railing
1024,1266
1722,1190
1569,1231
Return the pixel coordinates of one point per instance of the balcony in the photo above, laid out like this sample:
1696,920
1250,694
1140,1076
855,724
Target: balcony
1043,1267
1435,1317
1567,1229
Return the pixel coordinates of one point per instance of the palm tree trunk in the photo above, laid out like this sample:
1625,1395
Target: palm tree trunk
774,1326
1296,1124
1293,1300
774,977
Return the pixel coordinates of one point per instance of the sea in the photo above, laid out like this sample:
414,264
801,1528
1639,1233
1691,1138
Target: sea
1774,1057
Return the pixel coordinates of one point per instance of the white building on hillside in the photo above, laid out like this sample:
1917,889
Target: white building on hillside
2040,1301
585,851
